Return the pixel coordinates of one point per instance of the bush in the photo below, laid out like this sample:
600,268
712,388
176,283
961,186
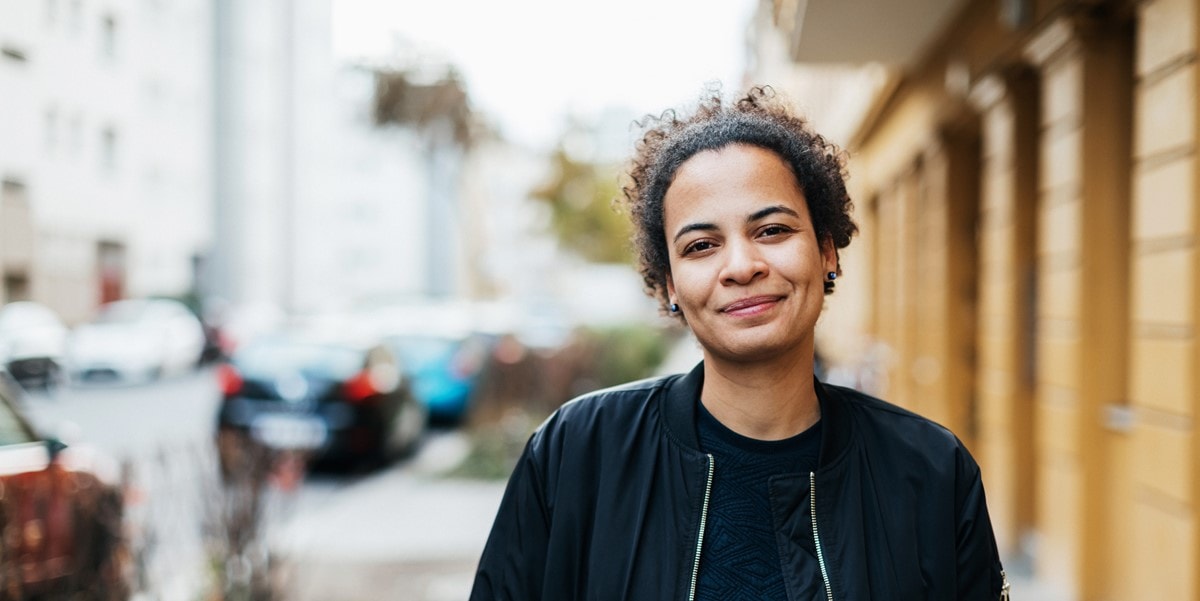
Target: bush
517,394
626,353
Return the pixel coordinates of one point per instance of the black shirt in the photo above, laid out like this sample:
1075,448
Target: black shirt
740,556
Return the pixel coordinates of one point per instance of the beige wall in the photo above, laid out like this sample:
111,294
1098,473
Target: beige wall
1007,225
1163,313
1072,377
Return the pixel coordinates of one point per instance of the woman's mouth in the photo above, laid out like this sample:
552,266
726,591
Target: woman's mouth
751,305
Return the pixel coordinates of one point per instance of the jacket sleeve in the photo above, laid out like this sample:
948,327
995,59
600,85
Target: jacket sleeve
979,572
514,560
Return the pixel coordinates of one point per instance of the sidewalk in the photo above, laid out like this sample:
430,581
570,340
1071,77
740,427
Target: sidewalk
1025,587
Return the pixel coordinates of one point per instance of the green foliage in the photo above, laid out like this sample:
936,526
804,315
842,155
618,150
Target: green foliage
627,353
496,448
608,356
582,212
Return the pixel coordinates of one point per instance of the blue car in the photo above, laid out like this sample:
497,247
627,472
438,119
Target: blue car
443,371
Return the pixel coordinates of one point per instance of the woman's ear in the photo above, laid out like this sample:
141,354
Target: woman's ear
829,256
670,289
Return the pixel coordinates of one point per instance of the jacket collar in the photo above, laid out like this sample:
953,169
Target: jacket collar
679,412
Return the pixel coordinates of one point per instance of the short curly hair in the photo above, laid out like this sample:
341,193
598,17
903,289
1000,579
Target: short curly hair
761,119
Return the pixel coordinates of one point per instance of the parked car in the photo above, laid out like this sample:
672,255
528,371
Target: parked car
445,370
33,341
334,398
61,515
136,340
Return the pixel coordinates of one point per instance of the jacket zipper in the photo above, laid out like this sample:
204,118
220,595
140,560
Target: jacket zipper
812,505
700,535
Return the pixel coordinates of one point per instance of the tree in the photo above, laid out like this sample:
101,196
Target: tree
401,98
584,216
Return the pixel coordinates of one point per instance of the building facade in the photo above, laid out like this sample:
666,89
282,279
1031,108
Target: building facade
105,143
1027,182
322,204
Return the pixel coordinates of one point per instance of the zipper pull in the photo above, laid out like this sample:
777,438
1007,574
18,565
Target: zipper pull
1004,587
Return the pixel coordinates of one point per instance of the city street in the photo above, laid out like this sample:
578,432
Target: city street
399,532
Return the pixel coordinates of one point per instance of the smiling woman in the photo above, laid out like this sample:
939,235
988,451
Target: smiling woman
705,485
746,268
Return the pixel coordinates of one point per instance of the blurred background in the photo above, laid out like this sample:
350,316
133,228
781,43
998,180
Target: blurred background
288,283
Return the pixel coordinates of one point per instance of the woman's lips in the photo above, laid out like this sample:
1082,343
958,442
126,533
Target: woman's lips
753,304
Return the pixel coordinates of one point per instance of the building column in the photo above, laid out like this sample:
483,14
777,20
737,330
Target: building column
1082,305
945,290
890,265
1164,556
1005,443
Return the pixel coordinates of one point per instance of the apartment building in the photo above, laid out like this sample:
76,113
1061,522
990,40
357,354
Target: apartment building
105,149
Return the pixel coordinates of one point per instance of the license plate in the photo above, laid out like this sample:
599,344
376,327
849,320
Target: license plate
289,432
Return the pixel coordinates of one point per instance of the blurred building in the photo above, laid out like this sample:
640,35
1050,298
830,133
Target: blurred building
1026,182
323,201
105,150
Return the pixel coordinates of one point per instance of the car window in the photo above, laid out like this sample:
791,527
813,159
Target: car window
320,360
124,312
420,350
12,429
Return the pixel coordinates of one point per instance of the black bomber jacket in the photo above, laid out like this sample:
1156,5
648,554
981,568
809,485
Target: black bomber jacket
609,498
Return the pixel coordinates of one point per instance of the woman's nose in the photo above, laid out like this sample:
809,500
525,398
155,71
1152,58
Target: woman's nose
743,263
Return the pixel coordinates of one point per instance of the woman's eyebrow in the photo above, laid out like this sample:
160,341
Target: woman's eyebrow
759,214
707,227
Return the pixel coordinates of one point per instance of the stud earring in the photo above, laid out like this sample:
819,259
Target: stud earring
674,307
831,276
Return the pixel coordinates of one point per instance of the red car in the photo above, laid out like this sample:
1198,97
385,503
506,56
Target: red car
61,516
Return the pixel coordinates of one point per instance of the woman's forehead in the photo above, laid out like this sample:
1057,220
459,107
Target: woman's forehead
738,179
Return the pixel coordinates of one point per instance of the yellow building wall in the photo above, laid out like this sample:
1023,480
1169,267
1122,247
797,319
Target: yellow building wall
1057,407
1163,557
1004,379
1091,268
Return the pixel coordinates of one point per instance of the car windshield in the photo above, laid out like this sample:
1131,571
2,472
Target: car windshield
272,357
420,350
122,313
12,429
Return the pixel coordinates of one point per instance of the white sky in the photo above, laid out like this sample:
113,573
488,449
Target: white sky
527,63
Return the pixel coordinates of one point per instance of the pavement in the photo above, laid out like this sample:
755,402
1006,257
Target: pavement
400,534
1025,586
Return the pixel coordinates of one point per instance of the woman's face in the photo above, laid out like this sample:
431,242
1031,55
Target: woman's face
746,268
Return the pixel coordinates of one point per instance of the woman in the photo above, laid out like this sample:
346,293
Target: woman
746,478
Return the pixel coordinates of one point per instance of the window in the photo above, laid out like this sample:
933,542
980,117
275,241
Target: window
10,187
51,132
108,37
16,287
13,53
108,149
13,430
76,16
75,134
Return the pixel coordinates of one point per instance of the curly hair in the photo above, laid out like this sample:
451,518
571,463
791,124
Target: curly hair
759,119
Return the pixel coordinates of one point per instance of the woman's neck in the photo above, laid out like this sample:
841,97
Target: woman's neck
770,400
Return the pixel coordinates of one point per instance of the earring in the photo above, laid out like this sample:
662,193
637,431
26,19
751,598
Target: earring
674,307
831,276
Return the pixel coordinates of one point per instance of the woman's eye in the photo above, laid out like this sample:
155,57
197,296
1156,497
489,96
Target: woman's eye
774,230
697,246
